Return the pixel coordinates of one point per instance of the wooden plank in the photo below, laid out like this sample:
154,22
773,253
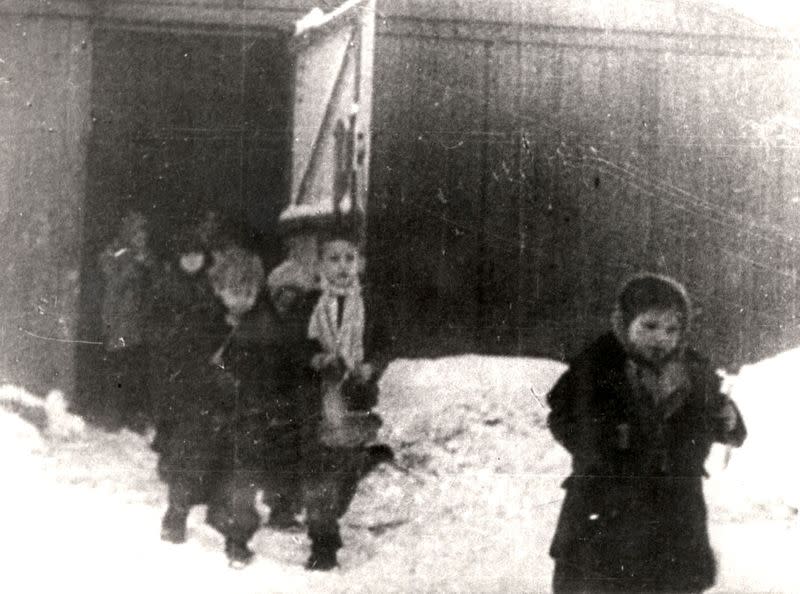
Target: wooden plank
43,190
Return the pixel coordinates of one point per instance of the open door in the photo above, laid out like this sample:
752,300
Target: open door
330,120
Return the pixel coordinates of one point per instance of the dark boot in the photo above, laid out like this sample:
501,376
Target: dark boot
173,525
239,554
322,559
323,552
377,454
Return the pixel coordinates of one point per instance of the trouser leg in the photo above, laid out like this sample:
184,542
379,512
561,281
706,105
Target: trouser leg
283,495
330,486
233,513
181,495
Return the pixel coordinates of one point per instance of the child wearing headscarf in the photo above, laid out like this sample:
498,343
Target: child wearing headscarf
638,410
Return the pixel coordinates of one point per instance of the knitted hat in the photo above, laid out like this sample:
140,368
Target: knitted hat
290,274
647,291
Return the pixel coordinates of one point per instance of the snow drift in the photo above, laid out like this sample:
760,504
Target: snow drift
470,505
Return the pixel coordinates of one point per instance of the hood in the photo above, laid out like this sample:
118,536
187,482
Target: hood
646,291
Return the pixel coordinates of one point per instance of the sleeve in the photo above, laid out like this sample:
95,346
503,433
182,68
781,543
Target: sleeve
562,419
718,407
578,421
256,327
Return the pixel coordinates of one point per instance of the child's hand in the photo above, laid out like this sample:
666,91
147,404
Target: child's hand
364,372
321,361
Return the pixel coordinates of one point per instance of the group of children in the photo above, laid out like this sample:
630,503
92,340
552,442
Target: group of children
256,382
267,382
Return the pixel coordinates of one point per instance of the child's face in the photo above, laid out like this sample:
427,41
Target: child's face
339,262
654,335
239,300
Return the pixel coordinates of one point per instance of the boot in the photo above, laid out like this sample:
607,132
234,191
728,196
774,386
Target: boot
239,554
322,559
173,526
323,552
377,454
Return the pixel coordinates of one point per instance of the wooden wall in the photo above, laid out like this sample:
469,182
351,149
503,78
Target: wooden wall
44,122
521,172
525,159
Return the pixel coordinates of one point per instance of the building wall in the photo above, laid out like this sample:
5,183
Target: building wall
524,161
44,122
521,172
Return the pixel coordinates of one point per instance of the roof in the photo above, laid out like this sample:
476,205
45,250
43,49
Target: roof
705,17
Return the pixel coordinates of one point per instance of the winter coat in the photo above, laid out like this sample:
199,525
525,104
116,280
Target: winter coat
269,356
634,516
187,326
192,398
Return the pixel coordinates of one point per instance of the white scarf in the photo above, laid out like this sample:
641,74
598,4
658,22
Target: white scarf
344,338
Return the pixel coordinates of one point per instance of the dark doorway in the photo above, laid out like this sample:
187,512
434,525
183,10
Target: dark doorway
183,121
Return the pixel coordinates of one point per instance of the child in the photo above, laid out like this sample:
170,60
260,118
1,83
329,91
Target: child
638,411
246,435
268,354
126,265
193,397
352,352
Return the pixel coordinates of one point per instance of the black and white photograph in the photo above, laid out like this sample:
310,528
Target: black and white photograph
400,296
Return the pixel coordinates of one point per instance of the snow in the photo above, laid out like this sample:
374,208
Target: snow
768,395
470,506
303,211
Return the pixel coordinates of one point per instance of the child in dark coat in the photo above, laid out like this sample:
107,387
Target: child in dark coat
290,444
352,352
638,411
193,398
268,354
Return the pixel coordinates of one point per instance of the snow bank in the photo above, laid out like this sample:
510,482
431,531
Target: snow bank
761,477
482,492
470,506
49,414
467,405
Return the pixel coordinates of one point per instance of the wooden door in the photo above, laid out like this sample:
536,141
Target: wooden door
330,130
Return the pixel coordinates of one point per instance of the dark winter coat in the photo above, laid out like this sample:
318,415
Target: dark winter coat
269,356
187,326
634,516
193,399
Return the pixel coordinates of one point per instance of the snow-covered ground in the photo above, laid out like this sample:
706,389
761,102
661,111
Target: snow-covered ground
471,507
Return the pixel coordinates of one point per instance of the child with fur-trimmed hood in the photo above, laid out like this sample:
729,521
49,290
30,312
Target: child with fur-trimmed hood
638,410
